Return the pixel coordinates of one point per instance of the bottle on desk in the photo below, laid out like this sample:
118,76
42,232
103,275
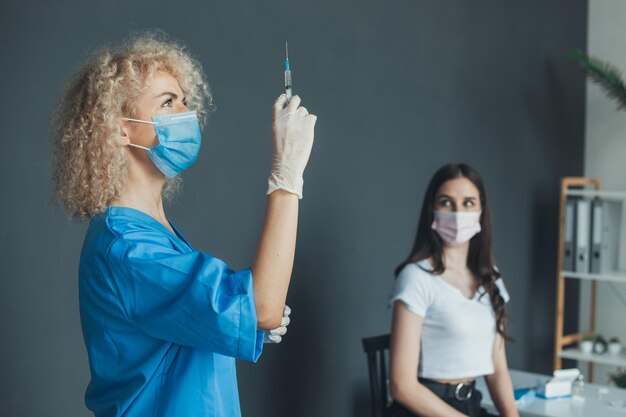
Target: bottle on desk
578,388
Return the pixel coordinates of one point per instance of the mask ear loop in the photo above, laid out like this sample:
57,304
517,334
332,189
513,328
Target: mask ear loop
138,121
138,146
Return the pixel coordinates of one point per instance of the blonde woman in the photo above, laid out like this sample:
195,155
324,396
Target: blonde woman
163,322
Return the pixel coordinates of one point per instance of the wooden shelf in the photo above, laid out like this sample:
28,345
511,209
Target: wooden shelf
576,186
614,276
605,195
606,359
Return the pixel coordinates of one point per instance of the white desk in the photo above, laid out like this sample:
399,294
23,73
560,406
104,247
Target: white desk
595,405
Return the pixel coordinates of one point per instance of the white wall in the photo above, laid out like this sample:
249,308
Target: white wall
605,150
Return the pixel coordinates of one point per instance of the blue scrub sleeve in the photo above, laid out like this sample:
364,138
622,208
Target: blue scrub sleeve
192,298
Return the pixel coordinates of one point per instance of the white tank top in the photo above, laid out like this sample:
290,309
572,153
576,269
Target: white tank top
458,333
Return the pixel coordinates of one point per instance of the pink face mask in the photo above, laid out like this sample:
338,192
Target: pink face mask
456,228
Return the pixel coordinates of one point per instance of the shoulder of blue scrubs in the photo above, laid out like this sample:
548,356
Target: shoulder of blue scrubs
172,292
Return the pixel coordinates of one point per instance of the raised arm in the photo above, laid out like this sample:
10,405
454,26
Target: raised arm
293,130
406,334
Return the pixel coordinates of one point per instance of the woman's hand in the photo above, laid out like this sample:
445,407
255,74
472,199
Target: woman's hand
276,335
293,130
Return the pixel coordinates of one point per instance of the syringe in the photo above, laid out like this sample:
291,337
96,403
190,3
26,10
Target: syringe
287,74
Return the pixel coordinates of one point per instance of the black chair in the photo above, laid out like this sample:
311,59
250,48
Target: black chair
376,349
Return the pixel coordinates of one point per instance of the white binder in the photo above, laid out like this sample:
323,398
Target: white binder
597,236
569,263
583,235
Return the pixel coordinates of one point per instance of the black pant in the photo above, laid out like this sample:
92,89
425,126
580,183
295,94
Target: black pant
469,407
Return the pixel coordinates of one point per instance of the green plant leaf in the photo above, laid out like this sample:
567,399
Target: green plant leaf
607,76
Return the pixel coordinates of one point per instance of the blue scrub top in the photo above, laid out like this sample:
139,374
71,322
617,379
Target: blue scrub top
163,323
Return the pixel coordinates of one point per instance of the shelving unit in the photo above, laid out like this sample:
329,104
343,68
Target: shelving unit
605,195
565,345
615,276
605,359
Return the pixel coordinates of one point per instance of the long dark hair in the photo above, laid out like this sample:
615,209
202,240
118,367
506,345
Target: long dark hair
428,244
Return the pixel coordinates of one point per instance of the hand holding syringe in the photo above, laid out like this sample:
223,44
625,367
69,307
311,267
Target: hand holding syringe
293,130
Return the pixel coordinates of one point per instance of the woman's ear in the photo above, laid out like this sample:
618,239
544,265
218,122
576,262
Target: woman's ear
124,139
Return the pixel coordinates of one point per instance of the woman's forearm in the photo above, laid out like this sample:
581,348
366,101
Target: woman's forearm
501,390
271,270
421,401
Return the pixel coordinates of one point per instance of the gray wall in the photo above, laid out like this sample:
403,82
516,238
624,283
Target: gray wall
605,153
400,87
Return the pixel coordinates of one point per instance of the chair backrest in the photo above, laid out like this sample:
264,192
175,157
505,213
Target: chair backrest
377,349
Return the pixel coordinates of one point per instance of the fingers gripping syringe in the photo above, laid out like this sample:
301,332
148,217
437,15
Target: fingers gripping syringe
287,74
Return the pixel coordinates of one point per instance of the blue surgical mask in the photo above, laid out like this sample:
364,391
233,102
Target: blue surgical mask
179,141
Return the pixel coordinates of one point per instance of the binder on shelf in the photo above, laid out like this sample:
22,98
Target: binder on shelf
583,230
597,236
569,263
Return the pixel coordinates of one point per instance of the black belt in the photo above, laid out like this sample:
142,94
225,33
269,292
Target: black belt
461,391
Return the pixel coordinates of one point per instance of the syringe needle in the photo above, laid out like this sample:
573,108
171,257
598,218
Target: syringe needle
287,73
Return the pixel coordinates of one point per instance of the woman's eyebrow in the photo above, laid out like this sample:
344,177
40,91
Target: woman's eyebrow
174,95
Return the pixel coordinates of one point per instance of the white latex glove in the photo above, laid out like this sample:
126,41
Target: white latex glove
293,130
276,335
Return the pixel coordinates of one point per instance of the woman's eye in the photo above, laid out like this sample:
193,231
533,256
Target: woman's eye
185,102
468,203
444,203
167,103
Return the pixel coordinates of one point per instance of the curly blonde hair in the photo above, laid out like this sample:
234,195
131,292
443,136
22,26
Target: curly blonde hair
90,166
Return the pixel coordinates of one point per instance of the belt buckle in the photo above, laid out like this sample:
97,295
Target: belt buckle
457,391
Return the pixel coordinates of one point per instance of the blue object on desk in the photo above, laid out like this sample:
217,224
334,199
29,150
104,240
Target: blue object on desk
543,397
519,393
524,395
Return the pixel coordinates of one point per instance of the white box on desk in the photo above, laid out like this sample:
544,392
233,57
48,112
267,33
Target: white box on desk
560,385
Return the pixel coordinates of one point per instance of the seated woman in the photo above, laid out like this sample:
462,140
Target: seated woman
448,307
162,321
